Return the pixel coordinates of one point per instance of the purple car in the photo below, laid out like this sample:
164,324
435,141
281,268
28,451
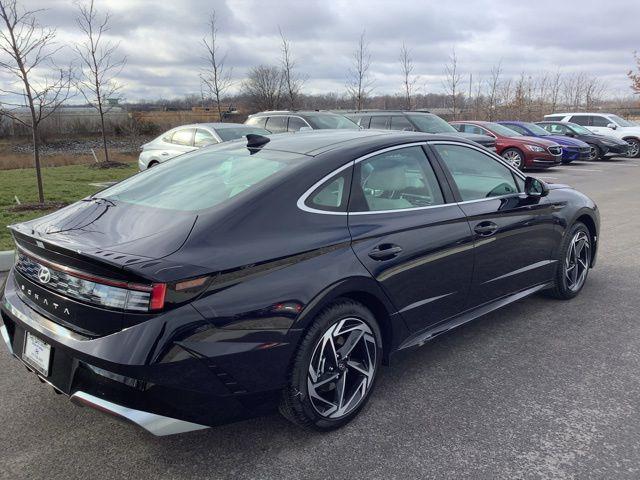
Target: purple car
572,148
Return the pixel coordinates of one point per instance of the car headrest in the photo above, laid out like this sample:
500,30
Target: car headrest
389,178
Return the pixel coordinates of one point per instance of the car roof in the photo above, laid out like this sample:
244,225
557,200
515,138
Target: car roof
294,112
213,125
386,113
577,113
316,142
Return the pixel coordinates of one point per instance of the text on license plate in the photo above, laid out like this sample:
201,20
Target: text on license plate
37,353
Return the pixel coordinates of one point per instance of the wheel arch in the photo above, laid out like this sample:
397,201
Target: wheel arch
367,292
591,225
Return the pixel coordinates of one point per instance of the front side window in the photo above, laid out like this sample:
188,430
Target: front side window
203,137
200,180
296,123
379,122
395,180
183,137
476,174
598,121
277,124
555,128
399,122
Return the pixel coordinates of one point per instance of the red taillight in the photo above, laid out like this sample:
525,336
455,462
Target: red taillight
158,292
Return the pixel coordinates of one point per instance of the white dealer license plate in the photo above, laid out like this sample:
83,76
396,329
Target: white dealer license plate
37,353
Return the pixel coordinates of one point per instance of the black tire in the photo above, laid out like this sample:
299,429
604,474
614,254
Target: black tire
634,147
296,404
561,288
152,164
596,153
513,153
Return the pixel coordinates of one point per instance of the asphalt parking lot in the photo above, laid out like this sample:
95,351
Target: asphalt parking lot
540,389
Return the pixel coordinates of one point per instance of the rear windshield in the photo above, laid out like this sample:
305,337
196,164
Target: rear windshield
330,121
429,123
232,133
200,180
502,130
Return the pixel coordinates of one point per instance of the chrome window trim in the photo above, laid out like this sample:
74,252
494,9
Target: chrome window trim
304,197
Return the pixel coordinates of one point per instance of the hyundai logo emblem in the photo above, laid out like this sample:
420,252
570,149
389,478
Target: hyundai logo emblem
44,275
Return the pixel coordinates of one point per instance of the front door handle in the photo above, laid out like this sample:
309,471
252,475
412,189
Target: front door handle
385,251
484,229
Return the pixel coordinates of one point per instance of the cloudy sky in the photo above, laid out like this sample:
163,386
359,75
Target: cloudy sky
162,40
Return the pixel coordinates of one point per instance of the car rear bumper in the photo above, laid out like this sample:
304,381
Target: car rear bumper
152,378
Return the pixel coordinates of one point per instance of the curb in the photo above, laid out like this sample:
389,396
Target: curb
6,260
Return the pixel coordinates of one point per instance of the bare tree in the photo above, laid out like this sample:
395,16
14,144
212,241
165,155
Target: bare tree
99,64
493,85
635,76
26,47
554,97
452,81
215,78
263,87
593,89
359,82
409,80
292,81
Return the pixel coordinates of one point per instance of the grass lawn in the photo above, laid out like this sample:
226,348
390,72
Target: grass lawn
61,184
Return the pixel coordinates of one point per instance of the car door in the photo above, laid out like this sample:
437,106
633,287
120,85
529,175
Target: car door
513,233
410,235
600,124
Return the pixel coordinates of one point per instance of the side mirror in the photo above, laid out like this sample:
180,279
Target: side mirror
570,134
535,188
612,126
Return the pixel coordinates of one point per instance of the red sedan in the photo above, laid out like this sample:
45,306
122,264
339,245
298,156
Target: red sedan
519,150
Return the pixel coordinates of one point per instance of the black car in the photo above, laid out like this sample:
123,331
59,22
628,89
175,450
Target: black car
415,121
281,272
279,121
602,146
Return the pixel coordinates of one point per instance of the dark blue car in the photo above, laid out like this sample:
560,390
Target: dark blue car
572,148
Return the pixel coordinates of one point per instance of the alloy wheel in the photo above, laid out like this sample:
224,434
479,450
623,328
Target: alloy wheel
593,153
634,148
577,261
514,158
342,368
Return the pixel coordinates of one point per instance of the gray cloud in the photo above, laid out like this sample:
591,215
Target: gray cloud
162,40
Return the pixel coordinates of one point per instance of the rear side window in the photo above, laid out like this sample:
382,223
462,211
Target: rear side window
333,195
580,120
201,179
476,174
395,180
183,137
379,122
399,122
277,124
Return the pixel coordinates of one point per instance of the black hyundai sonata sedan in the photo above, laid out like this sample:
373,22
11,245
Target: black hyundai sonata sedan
281,272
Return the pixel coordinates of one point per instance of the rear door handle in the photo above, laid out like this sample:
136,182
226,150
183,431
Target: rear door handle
385,251
484,229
